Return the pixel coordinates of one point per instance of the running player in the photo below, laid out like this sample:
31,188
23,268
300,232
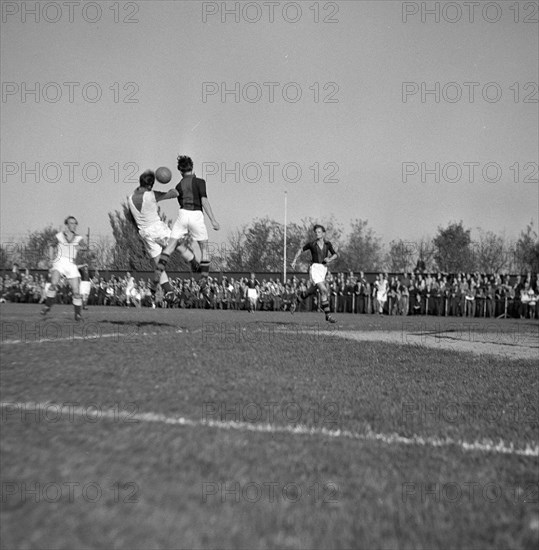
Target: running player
152,229
322,253
193,202
62,254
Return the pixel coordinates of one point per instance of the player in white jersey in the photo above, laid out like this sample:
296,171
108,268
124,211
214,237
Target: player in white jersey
63,253
153,231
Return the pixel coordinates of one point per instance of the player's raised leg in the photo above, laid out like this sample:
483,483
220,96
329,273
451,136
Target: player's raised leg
163,277
162,260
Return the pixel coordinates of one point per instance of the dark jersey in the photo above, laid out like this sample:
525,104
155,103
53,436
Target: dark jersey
319,254
191,190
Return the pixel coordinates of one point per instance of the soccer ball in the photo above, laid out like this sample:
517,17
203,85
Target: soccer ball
163,174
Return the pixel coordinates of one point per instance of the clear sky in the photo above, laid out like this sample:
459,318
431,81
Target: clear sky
161,78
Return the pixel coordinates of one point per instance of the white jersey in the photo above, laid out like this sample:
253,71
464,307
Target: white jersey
130,286
148,214
381,290
66,250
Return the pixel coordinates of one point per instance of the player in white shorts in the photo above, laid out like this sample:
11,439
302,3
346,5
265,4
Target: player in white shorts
193,202
323,253
63,253
154,232
252,292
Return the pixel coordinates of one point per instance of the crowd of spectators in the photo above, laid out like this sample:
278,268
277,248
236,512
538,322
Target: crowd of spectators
463,294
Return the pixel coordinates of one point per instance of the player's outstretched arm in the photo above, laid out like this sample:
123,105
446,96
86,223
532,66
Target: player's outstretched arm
207,209
161,196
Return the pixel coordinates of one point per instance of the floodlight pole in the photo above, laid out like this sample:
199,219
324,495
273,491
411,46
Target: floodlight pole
284,251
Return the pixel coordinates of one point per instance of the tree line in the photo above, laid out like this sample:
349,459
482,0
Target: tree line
258,246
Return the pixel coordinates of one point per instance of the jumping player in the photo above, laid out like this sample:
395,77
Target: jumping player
193,202
322,253
62,254
152,229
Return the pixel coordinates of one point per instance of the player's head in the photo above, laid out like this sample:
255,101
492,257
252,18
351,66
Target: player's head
147,179
319,230
71,223
185,164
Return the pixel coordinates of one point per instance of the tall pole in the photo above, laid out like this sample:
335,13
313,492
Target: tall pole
88,248
284,251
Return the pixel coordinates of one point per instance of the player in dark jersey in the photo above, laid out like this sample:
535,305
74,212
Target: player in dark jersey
193,202
322,253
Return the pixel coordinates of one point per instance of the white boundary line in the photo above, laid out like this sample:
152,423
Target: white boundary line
488,446
92,337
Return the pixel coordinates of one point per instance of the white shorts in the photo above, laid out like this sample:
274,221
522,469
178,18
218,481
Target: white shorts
252,294
85,287
190,221
317,273
66,268
155,238
131,292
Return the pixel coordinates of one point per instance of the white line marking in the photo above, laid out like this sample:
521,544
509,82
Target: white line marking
91,337
488,446
434,341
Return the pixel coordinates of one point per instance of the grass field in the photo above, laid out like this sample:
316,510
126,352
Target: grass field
143,428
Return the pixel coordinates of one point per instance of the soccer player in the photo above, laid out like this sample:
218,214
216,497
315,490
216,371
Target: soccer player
152,229
322,253
62,254
193,202
380,291
252,292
